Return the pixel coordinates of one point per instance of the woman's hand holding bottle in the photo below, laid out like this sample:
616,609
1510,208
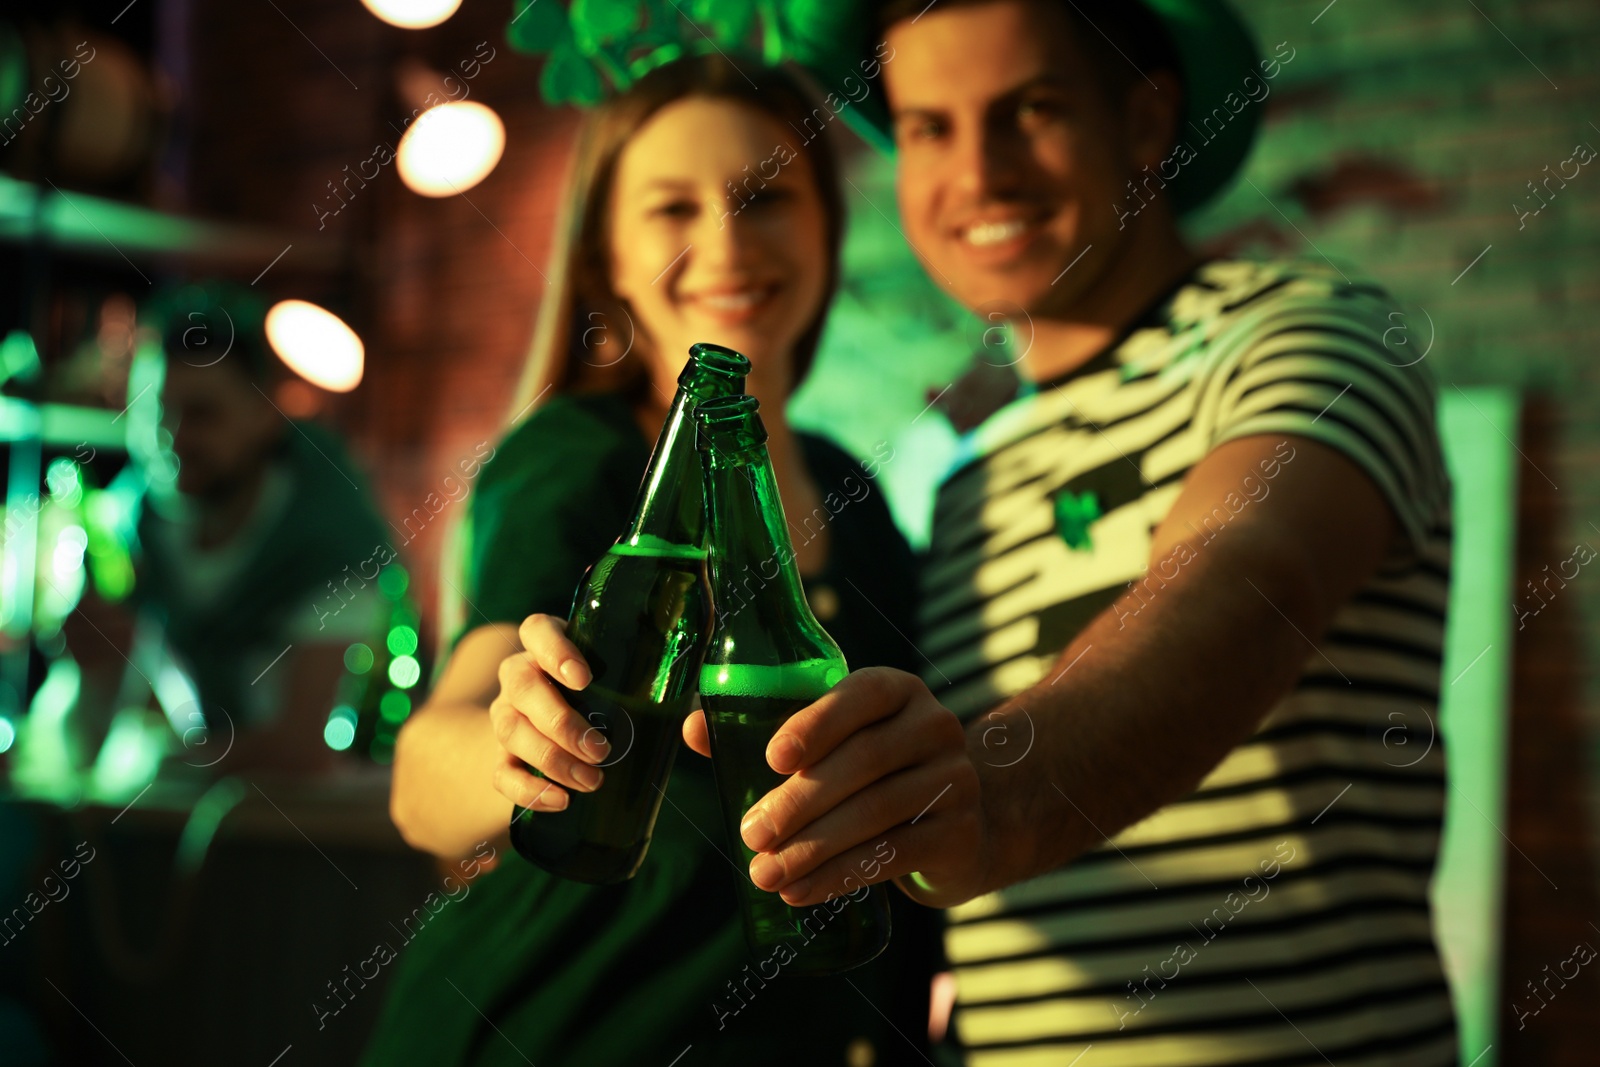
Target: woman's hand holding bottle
535,725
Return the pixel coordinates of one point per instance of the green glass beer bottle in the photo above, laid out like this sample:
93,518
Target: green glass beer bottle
641,618
769,657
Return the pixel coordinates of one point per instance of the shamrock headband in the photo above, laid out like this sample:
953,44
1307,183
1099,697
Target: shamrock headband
600,47
595,49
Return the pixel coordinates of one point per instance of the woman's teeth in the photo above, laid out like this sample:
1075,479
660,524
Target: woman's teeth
992,233
742,301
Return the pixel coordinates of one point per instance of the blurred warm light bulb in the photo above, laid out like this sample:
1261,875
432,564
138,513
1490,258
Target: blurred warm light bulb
316,344
412,14
451,148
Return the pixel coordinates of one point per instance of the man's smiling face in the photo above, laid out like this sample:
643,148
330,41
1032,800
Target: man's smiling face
1012,154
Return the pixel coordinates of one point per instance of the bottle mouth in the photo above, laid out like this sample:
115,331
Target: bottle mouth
729,424
719,360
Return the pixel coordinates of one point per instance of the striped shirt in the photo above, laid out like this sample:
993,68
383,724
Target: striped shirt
1278,914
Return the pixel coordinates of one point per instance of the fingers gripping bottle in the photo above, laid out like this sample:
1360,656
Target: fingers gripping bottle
769,657
641,618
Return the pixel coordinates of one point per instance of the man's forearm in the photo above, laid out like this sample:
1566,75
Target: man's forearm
1149,698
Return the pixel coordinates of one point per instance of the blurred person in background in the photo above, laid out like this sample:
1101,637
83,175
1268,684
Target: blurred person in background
655,254
255,565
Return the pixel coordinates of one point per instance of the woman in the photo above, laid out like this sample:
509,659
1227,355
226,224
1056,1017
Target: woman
697,214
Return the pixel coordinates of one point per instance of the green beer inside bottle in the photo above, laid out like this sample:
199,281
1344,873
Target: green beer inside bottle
769,658
641,619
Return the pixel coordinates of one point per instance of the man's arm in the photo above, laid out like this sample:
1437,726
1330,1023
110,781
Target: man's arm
1148,699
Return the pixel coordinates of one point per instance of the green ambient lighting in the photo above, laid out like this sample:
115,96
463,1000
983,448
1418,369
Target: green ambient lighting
394,707
341,728
65,482
393,582
405,671
104,515
1478,428
8,733
19,358
402,640
358,658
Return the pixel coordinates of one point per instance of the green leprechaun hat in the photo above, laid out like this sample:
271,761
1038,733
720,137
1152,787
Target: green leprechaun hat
1218,54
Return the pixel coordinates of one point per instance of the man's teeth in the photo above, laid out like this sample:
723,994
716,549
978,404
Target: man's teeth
742,301
990,233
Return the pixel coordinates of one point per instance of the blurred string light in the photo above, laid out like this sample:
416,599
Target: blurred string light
341,728
8,733
374,695
316,344
402,640
405,671
450,148
393,581
412,14
394,707
358,658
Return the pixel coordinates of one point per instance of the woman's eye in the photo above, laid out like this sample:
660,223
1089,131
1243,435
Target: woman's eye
767,197
675,209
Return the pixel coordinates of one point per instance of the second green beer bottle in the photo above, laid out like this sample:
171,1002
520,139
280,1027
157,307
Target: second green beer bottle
641,618
769,657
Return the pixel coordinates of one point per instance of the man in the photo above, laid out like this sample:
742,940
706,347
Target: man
1187,593
259,569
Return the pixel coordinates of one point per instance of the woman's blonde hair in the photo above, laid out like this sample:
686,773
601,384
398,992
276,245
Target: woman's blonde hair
581,313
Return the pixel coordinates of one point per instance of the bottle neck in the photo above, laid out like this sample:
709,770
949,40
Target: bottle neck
757,587
670,509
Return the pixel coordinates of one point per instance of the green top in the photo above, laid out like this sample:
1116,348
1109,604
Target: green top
636,973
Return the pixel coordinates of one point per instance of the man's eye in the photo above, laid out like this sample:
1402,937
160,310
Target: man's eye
1038,110
926,129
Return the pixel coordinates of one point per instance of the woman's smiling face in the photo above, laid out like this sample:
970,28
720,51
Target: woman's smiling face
718,233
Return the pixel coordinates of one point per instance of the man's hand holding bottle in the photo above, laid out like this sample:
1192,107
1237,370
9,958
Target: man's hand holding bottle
877,759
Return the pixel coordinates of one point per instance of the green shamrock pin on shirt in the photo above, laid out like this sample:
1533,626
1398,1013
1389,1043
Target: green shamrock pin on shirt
1075,513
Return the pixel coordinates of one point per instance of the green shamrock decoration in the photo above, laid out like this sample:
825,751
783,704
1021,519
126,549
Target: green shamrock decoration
1075,513
728,21
598,47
